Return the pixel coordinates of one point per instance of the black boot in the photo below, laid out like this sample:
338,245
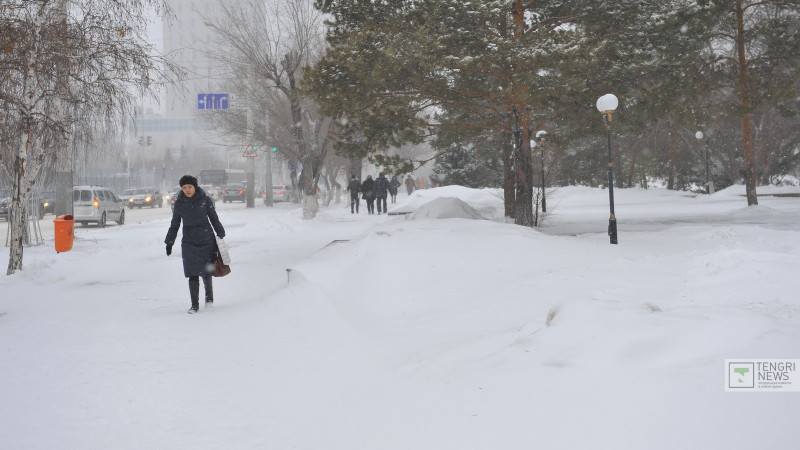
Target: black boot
194,293
207,284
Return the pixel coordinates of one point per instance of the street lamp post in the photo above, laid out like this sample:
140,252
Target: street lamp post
699,136
540,135
709,180
607,104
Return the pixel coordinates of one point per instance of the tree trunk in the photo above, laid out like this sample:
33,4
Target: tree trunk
354,169
523,168
305,181
313,165
672,164
744,100
16,217
508,174
310,207
21,184
523,161
618,178
631,181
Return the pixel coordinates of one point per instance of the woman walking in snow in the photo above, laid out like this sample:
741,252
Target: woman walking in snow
198,245
368,192
381,192
393,185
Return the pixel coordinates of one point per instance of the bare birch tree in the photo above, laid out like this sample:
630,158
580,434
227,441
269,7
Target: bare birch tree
67,66
274,41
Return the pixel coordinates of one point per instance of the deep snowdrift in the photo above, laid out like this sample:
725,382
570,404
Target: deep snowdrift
400,332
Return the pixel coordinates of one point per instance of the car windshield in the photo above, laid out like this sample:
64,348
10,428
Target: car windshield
129,192
143,191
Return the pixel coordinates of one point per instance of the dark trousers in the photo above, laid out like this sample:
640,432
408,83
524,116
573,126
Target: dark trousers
371,205
354,202
382,200
194,290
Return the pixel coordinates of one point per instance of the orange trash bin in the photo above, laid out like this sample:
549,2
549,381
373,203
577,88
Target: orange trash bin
64,227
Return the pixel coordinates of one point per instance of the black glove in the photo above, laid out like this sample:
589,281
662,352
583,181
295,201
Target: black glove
169,249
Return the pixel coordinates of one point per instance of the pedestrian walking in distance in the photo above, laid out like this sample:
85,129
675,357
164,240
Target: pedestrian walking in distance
200,221
409,184
381,192
393,185
368,191
354,187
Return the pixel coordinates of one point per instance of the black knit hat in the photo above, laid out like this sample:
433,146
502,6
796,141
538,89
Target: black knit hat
188,179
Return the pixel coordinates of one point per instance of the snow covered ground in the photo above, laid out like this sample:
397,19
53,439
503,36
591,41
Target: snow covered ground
435,329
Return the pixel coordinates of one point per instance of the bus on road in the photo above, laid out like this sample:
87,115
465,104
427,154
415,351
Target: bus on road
222,177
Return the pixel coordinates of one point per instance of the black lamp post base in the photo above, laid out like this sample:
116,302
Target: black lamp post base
612,230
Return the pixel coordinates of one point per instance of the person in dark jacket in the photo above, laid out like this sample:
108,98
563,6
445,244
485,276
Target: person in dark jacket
393,185
200,221
354,186
368,192
381,192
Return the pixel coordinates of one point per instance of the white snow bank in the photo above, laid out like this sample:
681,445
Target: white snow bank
445,208
487,202
413,334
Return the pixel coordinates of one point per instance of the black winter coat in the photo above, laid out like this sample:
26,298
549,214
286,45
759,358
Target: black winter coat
393,185
368,189
354,186
381,187
198,243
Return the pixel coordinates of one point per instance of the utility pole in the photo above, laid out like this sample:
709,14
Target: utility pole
251,163
268,201
64,163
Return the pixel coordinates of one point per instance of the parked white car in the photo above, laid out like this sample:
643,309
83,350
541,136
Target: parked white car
282,193
96,204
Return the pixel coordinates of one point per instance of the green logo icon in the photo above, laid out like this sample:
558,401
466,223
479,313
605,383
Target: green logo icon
742,371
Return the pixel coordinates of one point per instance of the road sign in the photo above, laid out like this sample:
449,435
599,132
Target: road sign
235,102
212,101
250,152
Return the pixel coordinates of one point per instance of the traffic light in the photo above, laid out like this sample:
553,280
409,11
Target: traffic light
255,148
274,149
141,140
149,140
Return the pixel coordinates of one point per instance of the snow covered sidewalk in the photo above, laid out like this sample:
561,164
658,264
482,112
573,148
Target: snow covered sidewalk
432,330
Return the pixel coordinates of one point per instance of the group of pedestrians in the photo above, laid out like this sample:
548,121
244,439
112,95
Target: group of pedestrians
378,189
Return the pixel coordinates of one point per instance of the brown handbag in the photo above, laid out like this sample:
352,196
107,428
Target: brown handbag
220,269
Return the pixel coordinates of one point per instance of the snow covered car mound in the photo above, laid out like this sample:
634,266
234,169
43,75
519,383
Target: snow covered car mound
446,208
